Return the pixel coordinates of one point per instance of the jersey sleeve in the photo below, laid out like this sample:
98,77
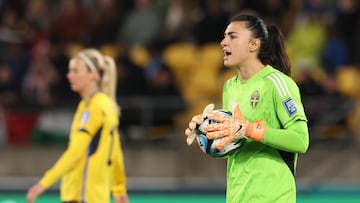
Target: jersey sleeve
91,118
288,105
119,177
293,139
293,135
76,149
82,131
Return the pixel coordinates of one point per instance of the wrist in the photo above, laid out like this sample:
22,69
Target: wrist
256,130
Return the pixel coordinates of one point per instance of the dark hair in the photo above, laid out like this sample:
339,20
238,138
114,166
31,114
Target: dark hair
272,49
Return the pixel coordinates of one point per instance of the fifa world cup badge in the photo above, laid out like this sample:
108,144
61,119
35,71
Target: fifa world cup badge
290,106
85,117
254,99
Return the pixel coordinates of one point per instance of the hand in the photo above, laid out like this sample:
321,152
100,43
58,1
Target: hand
229,129
121,199
34,192
196,120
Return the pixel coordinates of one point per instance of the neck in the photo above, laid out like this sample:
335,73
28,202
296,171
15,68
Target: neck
89,93
248,70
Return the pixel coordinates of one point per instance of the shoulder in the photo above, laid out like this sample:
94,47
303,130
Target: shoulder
100,101
282,83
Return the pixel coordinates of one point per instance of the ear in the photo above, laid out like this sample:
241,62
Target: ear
95,75
254,45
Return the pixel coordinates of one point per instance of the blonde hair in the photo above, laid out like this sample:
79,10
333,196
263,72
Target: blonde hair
108,81
106,67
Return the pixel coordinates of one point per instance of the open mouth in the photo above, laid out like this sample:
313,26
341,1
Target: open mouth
227,53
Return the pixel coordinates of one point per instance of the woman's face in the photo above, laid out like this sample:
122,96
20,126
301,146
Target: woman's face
236,44
79,75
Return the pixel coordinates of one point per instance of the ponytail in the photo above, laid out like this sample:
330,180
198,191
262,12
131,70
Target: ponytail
272,52
272,49
108,80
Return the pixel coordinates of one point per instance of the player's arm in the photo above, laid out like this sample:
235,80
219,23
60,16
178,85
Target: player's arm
76,149
68,159
90,121
294,138
119,176
294,135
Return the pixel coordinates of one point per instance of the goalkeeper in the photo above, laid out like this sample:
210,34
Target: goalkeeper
267,111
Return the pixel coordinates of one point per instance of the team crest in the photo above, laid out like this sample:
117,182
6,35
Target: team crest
254,99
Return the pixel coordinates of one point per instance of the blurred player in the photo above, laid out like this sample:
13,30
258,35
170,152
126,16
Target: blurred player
271,118
92,164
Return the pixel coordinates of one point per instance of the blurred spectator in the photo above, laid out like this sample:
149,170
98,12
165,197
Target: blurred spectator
38,13
314,6
7,94
308,85
41,78
15,55
333,57
305,42
36,21
335,53
131,83
71,22
104,19
60,60
142,24
179,19
168,101
279,12
212,24
348,19
131,77
162,87
9,31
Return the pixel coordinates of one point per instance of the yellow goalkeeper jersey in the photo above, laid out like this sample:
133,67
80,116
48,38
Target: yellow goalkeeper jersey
92,164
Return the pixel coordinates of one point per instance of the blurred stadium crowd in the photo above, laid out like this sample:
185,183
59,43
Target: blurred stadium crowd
169,59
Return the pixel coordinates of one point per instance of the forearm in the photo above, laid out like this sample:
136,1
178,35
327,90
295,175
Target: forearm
293,139
67,160
119,184
119,175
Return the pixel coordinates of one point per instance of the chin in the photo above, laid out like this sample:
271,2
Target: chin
229,65
74,89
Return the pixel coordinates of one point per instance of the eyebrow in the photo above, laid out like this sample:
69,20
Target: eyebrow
229,33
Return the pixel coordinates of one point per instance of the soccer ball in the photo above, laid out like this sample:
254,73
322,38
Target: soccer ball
208,145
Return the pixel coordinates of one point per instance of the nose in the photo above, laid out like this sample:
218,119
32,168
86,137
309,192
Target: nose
223,42
68,75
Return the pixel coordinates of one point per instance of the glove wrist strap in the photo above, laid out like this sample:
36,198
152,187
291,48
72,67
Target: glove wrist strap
256,131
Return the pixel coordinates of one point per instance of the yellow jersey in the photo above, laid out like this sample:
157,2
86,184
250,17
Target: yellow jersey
92,164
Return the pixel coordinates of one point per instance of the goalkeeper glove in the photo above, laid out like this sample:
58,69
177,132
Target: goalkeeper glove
190,132
229,129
